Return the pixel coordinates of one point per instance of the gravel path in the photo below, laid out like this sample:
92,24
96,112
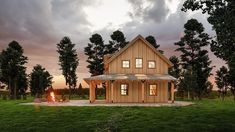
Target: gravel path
102,103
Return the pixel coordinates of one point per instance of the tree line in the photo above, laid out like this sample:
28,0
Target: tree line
13,74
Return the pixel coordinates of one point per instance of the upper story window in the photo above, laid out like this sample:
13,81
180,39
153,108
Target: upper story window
126,64
153,89
124,89
151,64
138,62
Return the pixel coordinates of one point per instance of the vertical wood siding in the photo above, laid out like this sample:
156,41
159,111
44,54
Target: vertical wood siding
134,92
138,50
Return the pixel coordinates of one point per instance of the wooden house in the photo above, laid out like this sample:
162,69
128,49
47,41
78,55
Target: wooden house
138,73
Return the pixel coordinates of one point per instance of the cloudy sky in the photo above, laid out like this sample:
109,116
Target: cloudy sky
38,25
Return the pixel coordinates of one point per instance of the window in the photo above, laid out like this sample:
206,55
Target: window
126,64
153,90
151,64
124,89
138,63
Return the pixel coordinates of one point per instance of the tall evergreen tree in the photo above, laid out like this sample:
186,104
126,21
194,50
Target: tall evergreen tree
188,82
175,70
193,54
40,79
221,16
13,69
80,90
221,80
231,75
95,52
22,82
117,42
68,60
153,42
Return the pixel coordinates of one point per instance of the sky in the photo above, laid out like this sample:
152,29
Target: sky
38,25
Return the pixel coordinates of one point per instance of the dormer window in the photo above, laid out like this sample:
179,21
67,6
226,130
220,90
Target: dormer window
151,64
138,62
125,64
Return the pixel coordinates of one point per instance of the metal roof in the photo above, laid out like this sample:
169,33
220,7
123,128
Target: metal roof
108,77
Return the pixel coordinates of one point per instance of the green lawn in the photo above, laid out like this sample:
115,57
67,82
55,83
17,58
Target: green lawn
205,115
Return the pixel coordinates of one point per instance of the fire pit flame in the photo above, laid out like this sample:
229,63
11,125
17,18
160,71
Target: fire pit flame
52,96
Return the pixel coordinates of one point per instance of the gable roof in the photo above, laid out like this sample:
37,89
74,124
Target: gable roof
139,37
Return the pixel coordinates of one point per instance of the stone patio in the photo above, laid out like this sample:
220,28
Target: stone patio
102,103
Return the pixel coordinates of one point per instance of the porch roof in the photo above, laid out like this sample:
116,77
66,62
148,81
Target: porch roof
108,77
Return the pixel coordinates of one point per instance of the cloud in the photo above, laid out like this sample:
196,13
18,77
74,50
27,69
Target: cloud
38,25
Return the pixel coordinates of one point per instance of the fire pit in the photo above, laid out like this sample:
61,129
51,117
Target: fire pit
53,96
50,95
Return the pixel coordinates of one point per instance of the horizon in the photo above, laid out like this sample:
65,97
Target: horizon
39,25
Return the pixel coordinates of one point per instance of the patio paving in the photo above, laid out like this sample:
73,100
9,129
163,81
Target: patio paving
102,103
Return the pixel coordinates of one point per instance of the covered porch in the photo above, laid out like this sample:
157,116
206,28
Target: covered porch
141,80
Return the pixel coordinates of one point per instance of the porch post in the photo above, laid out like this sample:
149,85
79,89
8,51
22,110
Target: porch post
172,92
142,86
92,92
107,91
112,90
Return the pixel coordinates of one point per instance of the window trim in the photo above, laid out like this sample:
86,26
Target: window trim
127,89
141,63
156,90
129,64
154,64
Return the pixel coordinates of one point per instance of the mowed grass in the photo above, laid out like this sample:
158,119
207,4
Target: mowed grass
205,115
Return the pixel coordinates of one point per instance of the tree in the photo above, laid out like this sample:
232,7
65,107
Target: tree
80,90
193,55
40,80
175,70
188,82
209,86
153,42
221,16
231,75
95,52
13,69
22,83
117,42
68,60
221,81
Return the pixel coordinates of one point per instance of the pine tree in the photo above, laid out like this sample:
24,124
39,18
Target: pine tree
40,79
68,60
231,75
193,55
95,52
188,82
221,15
221,80
153,42
13,69
117,42
175,70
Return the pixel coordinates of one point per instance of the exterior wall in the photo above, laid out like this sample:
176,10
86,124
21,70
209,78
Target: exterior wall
138,50
135,92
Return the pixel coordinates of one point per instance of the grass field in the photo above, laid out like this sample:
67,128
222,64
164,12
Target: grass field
205,115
